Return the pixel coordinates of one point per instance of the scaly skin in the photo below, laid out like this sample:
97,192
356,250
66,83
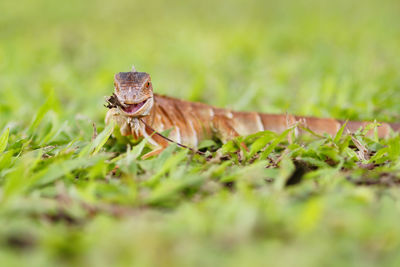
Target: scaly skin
192,122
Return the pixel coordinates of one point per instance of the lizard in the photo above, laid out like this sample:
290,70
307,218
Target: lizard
140,113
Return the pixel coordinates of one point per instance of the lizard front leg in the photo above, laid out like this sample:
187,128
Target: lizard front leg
154,152
155,140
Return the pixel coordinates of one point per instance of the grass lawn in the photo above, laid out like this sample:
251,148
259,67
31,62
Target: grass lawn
309,201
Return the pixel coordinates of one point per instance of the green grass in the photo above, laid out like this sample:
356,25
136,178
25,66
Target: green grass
312,201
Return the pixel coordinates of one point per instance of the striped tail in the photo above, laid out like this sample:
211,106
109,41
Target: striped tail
279,123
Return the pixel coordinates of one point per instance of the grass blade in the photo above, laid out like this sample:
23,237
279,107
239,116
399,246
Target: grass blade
4,140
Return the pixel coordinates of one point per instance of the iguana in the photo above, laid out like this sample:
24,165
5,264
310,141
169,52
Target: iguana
139,112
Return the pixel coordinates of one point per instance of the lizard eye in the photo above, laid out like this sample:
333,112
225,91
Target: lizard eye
147,84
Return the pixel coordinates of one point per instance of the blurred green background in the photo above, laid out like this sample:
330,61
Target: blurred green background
307,57
322,58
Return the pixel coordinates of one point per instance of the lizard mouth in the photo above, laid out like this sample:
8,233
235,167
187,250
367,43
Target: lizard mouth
133,109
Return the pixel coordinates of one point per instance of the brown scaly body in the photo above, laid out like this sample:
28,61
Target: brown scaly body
192,122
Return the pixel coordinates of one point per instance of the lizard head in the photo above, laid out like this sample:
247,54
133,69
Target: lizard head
134,92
